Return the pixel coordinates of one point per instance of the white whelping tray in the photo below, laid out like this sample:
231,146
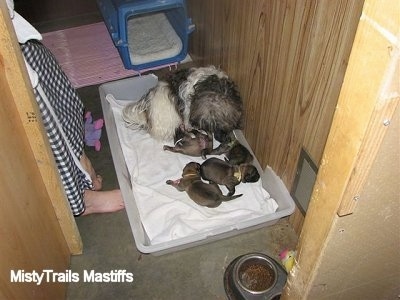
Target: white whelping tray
134,88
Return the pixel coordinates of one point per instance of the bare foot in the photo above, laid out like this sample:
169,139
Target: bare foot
97,182
102,202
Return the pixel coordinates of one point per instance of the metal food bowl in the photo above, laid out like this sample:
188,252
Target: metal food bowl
254,276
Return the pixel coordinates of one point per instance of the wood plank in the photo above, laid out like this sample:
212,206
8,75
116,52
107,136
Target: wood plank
20,88
375,133
297,220
386,91
31,237
288,59
355,113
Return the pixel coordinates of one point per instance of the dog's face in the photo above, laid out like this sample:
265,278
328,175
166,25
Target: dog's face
192,168
223,136
249,173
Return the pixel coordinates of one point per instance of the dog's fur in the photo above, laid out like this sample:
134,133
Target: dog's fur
221,172
234,151
216,107
155,112
204,194
193,143
201,98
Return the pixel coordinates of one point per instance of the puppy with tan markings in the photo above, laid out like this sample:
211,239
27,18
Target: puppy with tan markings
193,143
221,172
234,151
204,194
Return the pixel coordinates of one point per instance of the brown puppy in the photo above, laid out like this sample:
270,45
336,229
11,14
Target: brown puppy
202,193
193,143
234,151
220,172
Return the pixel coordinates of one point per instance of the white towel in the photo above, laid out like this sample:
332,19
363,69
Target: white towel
167,214
23,29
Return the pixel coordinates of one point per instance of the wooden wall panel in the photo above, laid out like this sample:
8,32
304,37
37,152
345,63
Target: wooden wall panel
288,59
362,157
21,89
50,10
30,234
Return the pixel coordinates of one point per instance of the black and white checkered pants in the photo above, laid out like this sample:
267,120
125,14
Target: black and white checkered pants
69,110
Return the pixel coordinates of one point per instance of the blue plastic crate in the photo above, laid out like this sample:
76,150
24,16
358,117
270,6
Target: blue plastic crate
123,19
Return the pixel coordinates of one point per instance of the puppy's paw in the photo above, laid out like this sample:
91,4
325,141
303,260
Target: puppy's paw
204,154
173,182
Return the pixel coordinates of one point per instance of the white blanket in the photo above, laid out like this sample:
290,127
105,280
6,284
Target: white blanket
167,214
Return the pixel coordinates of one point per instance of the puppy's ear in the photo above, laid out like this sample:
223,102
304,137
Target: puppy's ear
198,167
253,175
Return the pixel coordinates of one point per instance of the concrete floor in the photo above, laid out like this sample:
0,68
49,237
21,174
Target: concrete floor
195,273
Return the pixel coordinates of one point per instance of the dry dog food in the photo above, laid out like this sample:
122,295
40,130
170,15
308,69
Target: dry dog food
256,277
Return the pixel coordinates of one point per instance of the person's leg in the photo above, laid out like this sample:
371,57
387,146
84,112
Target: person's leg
69,110
96,179
102,201
99,201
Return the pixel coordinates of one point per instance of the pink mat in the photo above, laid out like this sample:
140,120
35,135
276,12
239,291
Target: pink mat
87,54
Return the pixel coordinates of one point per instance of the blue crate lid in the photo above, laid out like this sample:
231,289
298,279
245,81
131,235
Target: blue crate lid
143,6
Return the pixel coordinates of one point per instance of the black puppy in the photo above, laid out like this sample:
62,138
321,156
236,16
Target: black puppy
235,152
221,172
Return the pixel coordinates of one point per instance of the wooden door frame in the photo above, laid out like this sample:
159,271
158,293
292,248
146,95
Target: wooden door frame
367,101
22,93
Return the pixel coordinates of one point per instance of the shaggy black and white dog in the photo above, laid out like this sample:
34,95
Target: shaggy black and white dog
201,98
